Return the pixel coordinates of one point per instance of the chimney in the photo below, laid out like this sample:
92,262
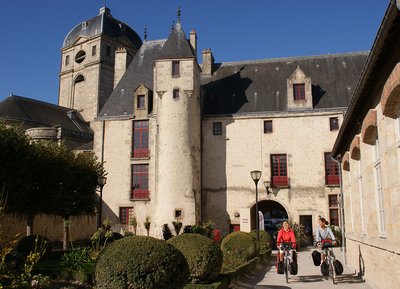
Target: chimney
193,41
208,62
121,63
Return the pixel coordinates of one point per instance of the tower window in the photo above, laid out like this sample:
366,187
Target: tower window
140,102
108,51
178,213
175,94
80,56
67,60
140,182
79,78
334,123
267,126
93,50
217,128
141,139
175,68
299,91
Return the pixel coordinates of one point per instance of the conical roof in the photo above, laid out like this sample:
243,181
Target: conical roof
177,45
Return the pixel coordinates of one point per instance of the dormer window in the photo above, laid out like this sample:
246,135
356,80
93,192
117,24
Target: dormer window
84,25
299,91
141,101
175,68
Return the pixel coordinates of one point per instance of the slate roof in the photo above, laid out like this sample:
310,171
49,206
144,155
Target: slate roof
261,85
177,45
35,113
140,71
103,23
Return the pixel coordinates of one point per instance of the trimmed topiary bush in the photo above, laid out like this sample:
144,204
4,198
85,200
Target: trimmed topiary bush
34,243
142,263
266,241
238,248
203,255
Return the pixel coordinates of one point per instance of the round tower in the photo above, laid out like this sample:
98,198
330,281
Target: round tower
178,163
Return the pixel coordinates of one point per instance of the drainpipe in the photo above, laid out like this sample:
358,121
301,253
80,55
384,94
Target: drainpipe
338,160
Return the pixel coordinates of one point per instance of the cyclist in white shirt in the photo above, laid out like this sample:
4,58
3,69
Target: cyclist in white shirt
322,234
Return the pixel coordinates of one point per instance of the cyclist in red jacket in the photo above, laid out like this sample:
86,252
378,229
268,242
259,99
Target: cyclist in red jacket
285,235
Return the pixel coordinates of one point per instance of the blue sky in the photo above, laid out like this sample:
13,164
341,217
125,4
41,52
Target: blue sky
33,31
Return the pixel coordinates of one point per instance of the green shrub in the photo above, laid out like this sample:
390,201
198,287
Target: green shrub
34,243
203,255
167,234
266,241
199,230
142,263
237,249
79,260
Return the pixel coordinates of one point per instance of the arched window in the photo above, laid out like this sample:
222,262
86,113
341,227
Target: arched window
79,78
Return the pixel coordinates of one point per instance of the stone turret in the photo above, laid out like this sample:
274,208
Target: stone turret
177,87
88,62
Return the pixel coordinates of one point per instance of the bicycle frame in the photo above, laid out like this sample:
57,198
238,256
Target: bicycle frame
329,259
287,258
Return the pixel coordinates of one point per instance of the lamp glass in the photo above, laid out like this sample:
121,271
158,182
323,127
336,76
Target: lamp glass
267,184
102,180
255,175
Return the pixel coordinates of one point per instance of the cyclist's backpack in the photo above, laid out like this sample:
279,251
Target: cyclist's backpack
324,269
316,256
338,267
293,268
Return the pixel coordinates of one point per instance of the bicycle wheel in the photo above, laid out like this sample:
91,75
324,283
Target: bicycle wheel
286,269
332,269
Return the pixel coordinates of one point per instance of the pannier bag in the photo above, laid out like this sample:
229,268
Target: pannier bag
316,256
293,268
338,267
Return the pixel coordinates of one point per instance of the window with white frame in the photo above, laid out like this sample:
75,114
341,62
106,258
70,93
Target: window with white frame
351,204
361,194
397,130
379,191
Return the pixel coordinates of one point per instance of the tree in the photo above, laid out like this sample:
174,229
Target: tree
18,174
46,177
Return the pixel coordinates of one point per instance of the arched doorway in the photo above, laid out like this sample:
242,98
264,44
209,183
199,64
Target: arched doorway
274,213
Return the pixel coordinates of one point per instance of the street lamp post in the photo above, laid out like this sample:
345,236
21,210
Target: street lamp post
101,181
256,176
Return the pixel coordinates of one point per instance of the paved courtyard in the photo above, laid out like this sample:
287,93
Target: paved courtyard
309,276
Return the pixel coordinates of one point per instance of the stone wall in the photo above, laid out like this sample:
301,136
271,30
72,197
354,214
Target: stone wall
81,228
243,146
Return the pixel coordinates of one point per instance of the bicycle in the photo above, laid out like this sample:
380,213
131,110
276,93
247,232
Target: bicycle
287,258
330,258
